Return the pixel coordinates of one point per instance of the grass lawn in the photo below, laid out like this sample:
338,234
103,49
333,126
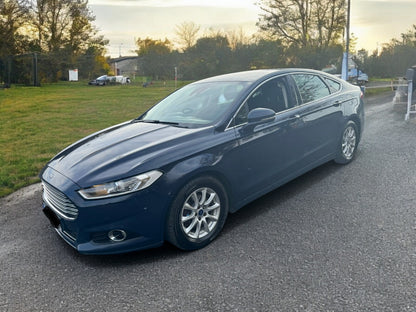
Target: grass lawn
38,122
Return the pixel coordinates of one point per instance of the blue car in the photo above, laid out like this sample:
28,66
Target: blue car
208,149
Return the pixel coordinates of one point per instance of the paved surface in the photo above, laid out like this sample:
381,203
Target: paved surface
340,238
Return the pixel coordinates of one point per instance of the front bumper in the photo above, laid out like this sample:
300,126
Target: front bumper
140,216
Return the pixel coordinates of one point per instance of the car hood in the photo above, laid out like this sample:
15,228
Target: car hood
121,151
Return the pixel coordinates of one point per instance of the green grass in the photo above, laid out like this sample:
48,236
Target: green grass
373,92
37,122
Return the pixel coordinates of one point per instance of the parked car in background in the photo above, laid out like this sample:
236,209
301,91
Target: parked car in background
357,77
175,172
105,80
100,81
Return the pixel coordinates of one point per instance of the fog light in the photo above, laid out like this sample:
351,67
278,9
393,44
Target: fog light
117,235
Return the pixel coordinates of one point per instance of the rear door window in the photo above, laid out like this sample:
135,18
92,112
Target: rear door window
310,87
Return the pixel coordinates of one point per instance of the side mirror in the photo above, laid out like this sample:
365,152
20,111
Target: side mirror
260,115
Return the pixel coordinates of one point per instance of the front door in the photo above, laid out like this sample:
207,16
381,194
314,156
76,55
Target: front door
266,152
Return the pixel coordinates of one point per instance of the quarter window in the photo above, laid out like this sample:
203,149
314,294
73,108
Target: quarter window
333,85
310,87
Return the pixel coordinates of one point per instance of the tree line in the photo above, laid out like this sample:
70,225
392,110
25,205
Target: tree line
292,33
56,35
393,58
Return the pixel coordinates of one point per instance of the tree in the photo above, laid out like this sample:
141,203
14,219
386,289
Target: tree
304,23
187,34
64,31
13,39
156,57
267,53
13,16
237,38
63,24
208,57
152,46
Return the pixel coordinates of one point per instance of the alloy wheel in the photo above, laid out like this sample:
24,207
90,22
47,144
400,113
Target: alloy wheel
200,213
349,140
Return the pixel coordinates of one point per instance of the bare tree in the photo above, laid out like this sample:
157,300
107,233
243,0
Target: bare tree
237,38
304,23
187,33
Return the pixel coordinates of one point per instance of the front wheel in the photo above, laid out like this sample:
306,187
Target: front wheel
348,144
198,214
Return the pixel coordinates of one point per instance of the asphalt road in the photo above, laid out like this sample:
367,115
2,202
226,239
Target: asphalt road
340,238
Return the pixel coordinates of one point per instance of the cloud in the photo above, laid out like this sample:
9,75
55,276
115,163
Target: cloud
375,22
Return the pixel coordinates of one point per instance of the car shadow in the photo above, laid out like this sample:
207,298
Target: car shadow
277,198
273,200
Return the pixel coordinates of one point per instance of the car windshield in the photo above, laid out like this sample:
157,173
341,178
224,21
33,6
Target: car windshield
195,105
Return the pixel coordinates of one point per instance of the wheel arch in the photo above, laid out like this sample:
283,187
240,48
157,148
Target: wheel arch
205,172
214,177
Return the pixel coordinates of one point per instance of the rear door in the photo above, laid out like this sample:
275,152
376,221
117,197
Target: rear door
320,111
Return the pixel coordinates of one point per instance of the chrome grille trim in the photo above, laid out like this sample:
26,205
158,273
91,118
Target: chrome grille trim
59,203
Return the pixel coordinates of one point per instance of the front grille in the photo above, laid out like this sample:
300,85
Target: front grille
59,203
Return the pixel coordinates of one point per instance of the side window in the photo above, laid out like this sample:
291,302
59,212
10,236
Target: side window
310,87
333,85
273,94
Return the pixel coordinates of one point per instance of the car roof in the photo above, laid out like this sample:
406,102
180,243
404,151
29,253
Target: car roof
255,75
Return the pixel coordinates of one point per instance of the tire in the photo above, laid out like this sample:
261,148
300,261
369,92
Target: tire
197,214
347,145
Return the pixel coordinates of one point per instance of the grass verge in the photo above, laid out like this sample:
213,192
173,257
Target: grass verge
36,123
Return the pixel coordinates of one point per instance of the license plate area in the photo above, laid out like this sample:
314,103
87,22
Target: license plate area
52,217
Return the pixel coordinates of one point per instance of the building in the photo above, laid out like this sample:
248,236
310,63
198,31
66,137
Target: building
127,66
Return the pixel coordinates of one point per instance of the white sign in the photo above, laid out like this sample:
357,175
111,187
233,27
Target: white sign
73,74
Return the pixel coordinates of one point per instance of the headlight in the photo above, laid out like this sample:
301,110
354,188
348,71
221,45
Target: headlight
120,187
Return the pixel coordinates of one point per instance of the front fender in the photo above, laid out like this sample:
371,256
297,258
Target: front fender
188,169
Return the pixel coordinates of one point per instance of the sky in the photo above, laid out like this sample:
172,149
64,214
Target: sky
373,22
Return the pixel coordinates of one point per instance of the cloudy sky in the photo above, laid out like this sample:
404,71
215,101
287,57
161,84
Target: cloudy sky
373,22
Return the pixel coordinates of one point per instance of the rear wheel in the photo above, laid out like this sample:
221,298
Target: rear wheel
348,144
198,214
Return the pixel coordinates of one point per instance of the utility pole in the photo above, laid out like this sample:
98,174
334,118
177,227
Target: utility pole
119,50
9,71
347,43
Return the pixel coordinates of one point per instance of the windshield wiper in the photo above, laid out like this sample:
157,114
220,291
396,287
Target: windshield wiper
176,124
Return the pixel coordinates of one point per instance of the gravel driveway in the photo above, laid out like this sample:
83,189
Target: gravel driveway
340,238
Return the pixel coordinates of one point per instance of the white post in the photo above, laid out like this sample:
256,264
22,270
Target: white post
409,77
409,99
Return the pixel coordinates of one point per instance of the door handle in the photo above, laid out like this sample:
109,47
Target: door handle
295,120
336,103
